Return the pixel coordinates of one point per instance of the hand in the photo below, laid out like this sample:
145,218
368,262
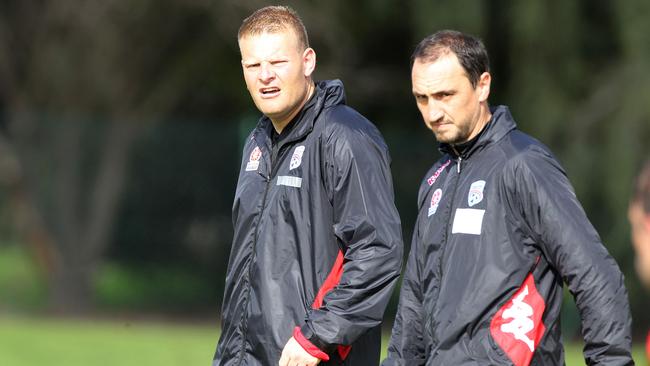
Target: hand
294,355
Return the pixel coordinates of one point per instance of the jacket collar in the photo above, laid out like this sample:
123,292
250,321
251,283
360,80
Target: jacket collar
499,125
326,94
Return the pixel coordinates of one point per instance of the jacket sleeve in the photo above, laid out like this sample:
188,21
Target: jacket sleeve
560,226
367,227
407,346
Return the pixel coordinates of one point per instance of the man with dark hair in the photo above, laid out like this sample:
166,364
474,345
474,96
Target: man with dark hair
317,244
499,229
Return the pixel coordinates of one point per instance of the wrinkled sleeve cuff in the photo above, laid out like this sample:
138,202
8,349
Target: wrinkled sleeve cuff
308,346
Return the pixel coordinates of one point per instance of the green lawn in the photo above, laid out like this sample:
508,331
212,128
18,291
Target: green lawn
49,342
54,342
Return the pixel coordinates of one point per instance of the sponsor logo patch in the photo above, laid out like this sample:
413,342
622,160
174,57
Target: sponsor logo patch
254,159
517,327
435,200
468,221
432,179
296,158
290,181
475,193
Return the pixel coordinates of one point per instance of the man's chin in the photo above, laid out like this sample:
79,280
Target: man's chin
446,138
271,112
268,106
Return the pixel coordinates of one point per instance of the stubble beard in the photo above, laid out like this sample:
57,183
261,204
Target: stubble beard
455,137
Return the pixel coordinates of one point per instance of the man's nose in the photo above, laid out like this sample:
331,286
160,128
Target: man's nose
434,112
266,72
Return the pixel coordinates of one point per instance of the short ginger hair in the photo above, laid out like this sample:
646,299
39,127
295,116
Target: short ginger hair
274,19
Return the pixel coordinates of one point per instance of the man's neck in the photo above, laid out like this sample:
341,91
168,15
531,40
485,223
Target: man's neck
483,119
281,124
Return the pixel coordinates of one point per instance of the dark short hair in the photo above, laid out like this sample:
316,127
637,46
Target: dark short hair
469,50
642,188
273,19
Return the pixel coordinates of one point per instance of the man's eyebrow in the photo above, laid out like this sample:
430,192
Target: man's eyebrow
445,91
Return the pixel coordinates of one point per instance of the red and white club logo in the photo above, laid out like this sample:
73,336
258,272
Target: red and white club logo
256,154
254,159
517,327
435,200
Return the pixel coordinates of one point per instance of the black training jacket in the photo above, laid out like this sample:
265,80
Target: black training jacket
317,239
499,229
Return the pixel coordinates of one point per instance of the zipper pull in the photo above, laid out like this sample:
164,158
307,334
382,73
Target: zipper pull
265,176
460,159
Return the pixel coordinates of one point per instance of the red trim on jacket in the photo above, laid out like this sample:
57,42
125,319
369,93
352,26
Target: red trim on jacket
518,327
308,346
331,281
344,351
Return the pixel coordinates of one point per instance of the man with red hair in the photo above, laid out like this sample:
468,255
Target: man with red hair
317,242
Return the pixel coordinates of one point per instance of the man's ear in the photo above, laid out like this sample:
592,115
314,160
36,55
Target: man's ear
309,61
483,86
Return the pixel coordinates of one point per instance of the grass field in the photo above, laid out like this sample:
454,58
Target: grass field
56,342
25,342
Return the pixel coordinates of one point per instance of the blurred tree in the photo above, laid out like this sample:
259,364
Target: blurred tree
98,160
125,64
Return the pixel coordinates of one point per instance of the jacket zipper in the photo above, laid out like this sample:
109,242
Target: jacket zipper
268,179
275,151
448,221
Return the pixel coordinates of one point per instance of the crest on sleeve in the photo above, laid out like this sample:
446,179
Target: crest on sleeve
435,201
254,159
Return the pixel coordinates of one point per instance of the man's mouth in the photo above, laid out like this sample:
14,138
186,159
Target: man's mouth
269,92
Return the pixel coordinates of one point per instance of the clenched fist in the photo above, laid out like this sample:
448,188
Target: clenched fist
294,355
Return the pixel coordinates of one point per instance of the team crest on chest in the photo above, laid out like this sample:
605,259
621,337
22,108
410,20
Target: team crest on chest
435,201
296,158
254,159
475,195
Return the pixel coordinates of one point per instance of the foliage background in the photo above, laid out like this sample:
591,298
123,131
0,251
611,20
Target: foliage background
121,125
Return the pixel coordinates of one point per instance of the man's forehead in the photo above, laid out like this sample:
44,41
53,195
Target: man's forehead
436,75
444,66
267,44
286,34
440,73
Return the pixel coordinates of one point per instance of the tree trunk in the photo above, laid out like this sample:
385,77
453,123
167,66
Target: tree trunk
68,244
